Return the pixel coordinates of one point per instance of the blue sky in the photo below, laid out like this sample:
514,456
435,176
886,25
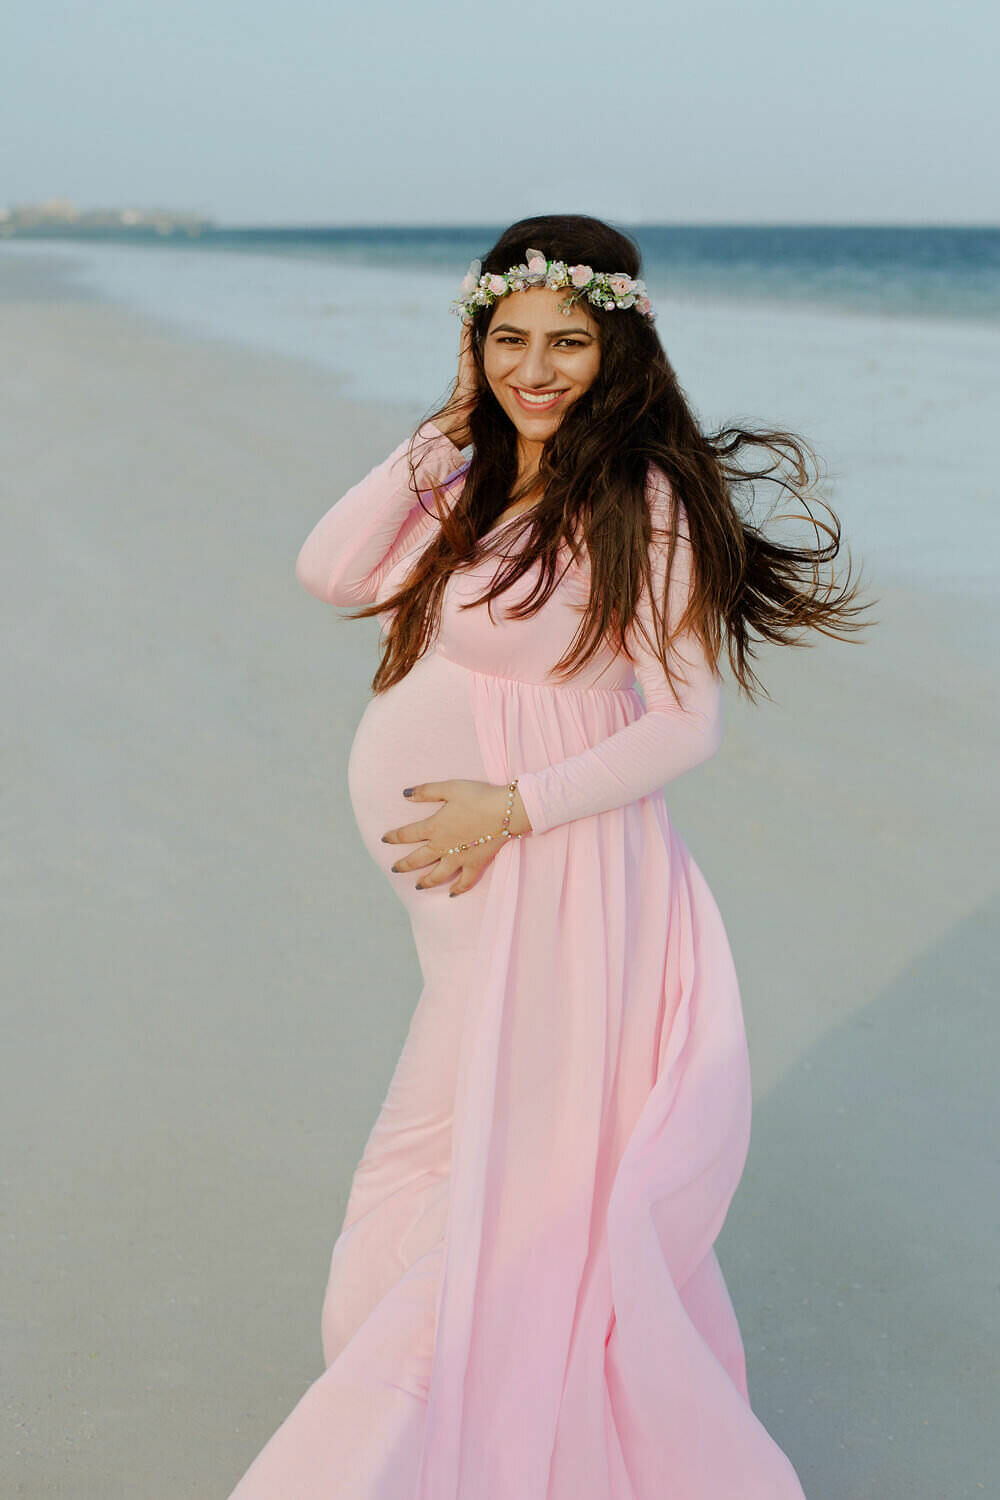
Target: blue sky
315,112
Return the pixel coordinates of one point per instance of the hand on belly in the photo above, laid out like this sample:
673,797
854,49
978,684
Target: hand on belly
471,809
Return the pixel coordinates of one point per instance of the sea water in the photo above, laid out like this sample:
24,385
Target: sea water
880,346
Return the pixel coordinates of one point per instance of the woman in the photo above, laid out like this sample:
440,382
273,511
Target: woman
524,1302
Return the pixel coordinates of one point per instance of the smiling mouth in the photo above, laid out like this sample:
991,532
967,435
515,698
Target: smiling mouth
537,400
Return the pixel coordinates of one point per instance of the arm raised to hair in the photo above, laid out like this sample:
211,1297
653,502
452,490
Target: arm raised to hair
667,739
351,549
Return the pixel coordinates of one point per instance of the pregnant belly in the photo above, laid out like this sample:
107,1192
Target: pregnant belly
421,729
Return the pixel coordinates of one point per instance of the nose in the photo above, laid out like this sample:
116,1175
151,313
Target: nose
537,369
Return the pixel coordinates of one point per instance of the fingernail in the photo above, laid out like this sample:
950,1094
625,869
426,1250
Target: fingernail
453,893
394,869
419,887
407,791
384,839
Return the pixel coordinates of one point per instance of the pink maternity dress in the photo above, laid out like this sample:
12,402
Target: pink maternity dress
524,1302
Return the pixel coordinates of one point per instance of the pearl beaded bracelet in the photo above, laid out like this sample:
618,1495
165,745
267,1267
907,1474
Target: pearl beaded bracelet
504,832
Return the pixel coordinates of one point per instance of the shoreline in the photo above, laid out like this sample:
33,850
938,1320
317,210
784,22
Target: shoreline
927,318
208,982
895,409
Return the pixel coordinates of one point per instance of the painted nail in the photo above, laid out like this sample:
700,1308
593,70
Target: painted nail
419,887
407,791
394,869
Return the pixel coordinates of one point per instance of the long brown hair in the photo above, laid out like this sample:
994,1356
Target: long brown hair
592,479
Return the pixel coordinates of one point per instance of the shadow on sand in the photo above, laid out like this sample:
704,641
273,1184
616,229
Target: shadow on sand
863,1240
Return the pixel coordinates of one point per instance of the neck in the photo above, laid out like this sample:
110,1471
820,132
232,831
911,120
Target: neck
528,458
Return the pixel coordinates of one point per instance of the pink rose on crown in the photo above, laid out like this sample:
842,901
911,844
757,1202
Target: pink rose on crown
621,285
498,285
581,275
644,305
536,263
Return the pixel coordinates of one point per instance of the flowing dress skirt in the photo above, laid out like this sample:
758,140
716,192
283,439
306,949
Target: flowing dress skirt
524,1302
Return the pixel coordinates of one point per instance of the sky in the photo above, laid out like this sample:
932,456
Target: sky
320,112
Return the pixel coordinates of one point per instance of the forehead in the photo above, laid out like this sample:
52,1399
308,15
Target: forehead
537,309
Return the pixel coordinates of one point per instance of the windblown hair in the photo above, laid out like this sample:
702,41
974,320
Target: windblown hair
592,484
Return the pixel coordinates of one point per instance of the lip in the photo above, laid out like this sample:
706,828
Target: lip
537,406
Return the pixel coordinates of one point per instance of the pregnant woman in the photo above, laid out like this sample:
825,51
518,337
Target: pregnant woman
524,1302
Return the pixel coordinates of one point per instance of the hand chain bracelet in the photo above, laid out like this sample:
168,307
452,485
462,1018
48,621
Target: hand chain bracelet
504,832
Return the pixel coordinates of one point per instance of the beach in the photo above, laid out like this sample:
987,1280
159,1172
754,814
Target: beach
207,984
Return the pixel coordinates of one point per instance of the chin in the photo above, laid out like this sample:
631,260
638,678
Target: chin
535,427
538,427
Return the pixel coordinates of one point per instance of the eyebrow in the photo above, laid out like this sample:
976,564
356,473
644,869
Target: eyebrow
554,334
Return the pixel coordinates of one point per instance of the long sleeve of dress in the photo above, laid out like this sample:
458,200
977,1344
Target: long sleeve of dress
667,739
353,546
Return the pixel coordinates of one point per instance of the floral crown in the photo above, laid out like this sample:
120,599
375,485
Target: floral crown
607,290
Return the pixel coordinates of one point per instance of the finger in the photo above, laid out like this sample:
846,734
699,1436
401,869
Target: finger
469,878
417,859
428,791
446,870
472,873
409,833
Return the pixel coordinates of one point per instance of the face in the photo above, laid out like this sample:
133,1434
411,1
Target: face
538,361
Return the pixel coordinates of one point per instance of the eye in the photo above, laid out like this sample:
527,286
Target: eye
510,338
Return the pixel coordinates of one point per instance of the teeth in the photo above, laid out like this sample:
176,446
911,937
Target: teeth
538,400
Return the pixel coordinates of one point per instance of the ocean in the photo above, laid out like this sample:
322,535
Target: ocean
939,270
936,270
879,345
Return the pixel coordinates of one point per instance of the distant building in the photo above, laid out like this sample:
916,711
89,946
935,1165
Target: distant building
59,216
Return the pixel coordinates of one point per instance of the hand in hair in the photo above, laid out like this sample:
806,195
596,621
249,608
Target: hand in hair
453,420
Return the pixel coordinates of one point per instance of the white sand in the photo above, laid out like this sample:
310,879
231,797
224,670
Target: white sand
207,983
